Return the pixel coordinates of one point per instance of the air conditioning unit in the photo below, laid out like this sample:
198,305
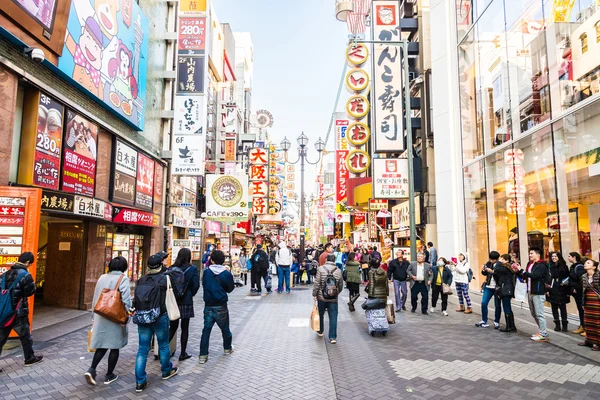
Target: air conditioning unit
342,8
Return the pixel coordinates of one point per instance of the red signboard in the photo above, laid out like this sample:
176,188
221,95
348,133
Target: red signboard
192,34
48,142
79,164
158,183
145,181
129,216
359,218
341,185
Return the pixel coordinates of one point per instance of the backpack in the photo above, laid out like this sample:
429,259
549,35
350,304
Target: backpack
178,281
269,282
7,311
469,275
147,300
330,290
376,256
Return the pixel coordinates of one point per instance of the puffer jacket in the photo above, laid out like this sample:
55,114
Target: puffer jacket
505,280
353,272
320,278
22,290
378,284
559,293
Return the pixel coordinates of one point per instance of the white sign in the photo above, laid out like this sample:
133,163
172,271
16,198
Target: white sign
401,215
387,125
188,115
342,217
390,178
179,244
126,159
188,155
227,197
91,207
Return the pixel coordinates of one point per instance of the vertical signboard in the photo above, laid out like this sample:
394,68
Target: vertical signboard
390,178
259,179
387,78
79,162
124,180
145,182
341,153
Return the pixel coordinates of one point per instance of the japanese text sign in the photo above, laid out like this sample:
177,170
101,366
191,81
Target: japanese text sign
390,178
342,175
56,201
189,115
126,159
259,165
190,74
192,35
145,182
188,155
79,163
227,197
123,215
48,142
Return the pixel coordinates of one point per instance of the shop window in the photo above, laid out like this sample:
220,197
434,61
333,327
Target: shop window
597,27
584,43
476,217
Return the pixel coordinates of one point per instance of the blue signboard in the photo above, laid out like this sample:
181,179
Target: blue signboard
106,53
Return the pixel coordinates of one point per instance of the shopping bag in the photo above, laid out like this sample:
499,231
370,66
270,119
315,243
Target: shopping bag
304,277
520,291
315,321
171,302
172,345
389,312
446,289
89,349
292,280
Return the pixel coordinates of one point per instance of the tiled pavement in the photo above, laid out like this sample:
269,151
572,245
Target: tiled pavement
278,357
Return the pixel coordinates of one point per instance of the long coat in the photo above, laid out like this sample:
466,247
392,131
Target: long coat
107,334
559,293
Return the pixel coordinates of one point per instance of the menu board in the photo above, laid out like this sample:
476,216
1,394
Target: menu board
145,182
48,142
79,162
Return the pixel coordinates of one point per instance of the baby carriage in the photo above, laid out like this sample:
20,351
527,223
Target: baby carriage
238,279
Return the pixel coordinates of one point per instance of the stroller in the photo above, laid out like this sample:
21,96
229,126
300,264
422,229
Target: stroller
236,271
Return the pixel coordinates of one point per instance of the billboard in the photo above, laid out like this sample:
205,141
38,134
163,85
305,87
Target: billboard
79,161
227,197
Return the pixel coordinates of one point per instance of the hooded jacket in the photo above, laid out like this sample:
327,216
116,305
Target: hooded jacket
22,290
215,292
461,270
284,256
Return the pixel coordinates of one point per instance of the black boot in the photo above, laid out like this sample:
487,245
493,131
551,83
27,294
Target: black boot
511,320
565,326
557,326
507,321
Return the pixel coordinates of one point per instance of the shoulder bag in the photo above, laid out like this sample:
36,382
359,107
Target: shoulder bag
171,302
110,305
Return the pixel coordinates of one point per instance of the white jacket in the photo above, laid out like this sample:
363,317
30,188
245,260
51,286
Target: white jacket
460,271
284,255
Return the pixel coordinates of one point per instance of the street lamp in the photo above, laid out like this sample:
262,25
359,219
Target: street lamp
302,143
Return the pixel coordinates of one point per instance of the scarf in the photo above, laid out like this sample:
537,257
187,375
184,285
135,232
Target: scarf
80,59
595,285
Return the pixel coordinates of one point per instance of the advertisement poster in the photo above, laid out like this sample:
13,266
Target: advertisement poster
158,183
192,35
126,159
124,188
48,143
188,155
227,197
79,162
190,74
145,182
343,174
42,11
390,178
189,115
106,52
123,215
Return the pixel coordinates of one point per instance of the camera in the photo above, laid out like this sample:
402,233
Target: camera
37,55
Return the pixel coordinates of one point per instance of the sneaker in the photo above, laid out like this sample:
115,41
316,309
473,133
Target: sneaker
332,341
444,313
482,324
535,334
228,351
202,359
184,356
108,379
33,361
496,325
171,374
432,310
541,338
90,376
139,387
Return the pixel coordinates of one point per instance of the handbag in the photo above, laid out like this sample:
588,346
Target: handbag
446,289
110,305
304,276
389,312
315,320
89,349
171,302
364,266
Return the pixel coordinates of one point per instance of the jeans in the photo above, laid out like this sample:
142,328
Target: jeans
506,305
536,307
332,312
365,274
160,327
21,327
400,286
419,287
283,272
462,290
220,315
487,296
436,292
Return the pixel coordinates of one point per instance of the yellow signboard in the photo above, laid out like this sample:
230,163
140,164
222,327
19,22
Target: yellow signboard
192,6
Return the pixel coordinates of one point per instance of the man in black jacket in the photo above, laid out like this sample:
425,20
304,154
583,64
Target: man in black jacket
397,271
537,275
260,267
24,287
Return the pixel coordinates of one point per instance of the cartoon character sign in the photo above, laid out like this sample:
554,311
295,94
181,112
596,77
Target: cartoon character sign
105,52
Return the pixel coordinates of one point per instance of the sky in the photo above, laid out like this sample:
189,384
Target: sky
299,56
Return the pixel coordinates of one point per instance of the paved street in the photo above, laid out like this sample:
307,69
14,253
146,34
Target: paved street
277,356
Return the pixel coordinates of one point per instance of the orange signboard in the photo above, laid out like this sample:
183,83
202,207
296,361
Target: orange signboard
19,228
230,150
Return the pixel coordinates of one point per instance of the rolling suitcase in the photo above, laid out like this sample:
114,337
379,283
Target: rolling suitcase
377,321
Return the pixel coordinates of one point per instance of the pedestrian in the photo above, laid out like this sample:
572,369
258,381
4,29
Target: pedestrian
106,334
284,260
433,257
538,276
19,285
243,264
461,281
424,250
295,271
304,268
365,258
441,275
504,273
149,301
328,249
419,273
576,271
340,257
397,272
327,287
260,267
489,291
217,282
591,292
185,301
559,291
375,255
352,279
378,287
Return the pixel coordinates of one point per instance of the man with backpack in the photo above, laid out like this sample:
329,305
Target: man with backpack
284,260
151,318
375,255
328,285
217,281
260,267
538,279
16,286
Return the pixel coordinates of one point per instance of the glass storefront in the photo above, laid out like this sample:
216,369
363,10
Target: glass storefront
529,78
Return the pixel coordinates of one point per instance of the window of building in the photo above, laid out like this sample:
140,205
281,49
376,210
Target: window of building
476,218
584,43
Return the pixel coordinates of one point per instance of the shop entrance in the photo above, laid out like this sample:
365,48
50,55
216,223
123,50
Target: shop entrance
60,262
